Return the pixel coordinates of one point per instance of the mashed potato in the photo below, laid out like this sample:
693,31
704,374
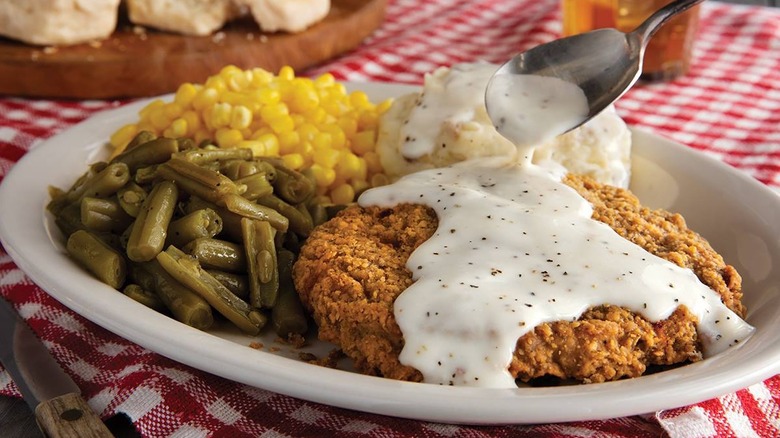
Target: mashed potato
447,122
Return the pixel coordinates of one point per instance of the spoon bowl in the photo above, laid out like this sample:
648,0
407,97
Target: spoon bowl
603,63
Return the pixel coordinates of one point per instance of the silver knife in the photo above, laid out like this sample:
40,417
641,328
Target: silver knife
54,397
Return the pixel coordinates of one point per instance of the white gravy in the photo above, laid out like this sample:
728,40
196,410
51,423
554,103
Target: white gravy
515,248
530,109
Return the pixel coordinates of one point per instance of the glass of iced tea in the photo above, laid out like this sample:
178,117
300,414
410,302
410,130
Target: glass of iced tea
669,53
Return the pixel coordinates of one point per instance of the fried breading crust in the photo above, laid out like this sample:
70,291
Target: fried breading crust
351,270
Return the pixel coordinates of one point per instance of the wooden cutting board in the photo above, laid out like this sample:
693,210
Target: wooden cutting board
137,62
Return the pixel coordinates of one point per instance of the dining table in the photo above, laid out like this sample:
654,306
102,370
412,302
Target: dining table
727,107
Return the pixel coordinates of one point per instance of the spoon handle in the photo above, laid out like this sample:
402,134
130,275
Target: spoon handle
648,28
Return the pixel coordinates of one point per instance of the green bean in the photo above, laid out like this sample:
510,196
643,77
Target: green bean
131,197
139,139
143,296
148,234
57,200
236,283
218,254
318,213
246,208
97,257
196,180
333,210
292,186
186,143
203,156
68,219
288,315
237,169
231,222
145,154
261,264
299,222
257,185
200,223
185,305
98,214
193,203
103,184
75,192
186,270
146,175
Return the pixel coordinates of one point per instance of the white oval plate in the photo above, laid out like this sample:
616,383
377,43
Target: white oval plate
739,215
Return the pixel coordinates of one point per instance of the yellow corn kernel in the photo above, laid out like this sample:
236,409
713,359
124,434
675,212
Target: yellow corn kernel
307,131
220,115
172,110
362,172
317,115
240,117
158,118
228,138
325,80
326,157
349,166
205,98
322,140
384,106
272,112
334,106
282,124
303,98
324,176
217,83
306,149
360,100
123,135
349,125
342,194
270,144
261,77
234,78
373,164
178,128
193,121
368,120
286,73
229,70
288,141
269,96
233,97
339,139
144,112
293,161
258,149
364,142
298,119
185,94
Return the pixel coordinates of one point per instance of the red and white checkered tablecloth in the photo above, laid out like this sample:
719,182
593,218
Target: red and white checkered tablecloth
728,106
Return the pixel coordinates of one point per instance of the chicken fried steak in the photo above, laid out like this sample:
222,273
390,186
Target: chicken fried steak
352,268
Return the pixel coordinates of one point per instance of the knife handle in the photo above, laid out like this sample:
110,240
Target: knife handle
69,416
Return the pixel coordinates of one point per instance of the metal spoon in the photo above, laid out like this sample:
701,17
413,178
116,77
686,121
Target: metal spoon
604,63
